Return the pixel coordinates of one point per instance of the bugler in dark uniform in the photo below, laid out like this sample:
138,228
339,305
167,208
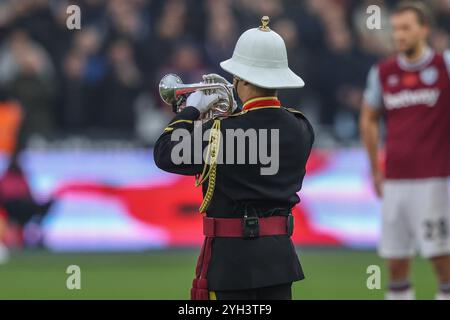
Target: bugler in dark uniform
248,252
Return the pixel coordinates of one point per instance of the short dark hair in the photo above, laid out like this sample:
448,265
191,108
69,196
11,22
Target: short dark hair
423,13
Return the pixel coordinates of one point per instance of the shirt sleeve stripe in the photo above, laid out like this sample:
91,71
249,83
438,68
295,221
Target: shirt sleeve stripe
447,60
373,95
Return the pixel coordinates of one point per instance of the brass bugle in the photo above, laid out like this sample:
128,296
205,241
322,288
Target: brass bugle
172,88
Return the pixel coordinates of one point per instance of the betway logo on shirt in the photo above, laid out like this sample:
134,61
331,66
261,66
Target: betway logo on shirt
410,98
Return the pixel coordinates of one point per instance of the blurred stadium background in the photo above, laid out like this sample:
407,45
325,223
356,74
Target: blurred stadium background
81,110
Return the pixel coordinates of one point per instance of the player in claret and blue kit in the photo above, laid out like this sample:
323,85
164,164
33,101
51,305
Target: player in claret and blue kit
412,92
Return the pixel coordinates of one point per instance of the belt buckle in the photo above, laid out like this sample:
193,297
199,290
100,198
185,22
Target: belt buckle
250,227
290,225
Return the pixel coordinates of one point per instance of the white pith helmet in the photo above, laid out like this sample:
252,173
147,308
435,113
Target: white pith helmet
260,58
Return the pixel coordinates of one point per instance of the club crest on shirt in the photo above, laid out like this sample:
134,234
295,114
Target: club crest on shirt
393,80
429,76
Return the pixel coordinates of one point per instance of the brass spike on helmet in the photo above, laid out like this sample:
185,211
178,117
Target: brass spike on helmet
265,24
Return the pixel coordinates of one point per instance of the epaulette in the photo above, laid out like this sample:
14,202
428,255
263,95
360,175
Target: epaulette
300,115
295,112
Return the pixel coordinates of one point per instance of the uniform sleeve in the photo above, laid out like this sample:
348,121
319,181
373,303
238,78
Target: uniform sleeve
373,96
311,132
447,60
175,150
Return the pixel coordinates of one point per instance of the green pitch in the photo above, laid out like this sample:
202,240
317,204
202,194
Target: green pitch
330,274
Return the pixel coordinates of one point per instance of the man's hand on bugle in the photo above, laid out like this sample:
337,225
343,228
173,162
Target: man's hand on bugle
215,78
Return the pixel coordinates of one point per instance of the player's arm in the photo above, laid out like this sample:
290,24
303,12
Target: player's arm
369,128
446,55
369,125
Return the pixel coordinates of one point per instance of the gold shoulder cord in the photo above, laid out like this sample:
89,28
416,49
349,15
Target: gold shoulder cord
210,170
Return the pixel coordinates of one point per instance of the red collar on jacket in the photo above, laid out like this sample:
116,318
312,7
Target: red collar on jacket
261,102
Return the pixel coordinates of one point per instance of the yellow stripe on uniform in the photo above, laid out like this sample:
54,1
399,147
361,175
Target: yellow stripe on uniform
212,295
181,121
253,109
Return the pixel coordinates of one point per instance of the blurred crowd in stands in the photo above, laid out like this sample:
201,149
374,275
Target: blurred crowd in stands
102,80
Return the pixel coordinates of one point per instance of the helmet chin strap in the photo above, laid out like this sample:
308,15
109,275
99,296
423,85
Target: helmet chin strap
235,88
